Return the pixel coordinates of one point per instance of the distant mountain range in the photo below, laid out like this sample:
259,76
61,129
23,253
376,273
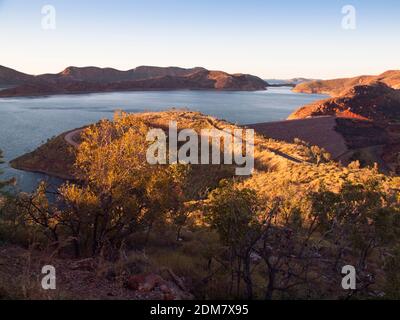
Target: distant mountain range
288,82
94,79
10,77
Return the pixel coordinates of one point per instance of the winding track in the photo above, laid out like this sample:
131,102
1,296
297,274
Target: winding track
69,137
319,131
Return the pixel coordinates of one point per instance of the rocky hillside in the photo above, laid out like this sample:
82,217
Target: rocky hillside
376,102
57,156
337,87
10,77
368,117
308,130
93,79
107,75
297,180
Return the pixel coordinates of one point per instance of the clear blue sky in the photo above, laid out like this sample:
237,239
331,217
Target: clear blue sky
272,39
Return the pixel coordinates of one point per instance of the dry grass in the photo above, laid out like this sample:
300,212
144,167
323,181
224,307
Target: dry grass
276,175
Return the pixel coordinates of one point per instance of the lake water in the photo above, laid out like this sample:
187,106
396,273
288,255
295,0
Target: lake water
25,123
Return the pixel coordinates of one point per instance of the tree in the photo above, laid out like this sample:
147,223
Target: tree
36,212
304,245
2,183
320,155
8,219
358,220
249,227
233,213
316,154
119,192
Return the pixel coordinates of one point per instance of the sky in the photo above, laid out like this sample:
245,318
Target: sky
270,39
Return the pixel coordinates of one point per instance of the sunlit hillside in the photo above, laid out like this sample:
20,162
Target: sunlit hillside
193,231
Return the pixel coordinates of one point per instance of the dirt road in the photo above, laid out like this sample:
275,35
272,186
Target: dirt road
318,131
72,137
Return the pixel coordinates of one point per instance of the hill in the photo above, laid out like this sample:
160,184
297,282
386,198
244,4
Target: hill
107,75
368,117
287,82
377,102
308,130
93,79
337,87
56,157
10,77
166,235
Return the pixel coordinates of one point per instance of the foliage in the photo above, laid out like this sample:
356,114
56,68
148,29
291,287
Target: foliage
300,243
2,183
284,232
314,153
118,192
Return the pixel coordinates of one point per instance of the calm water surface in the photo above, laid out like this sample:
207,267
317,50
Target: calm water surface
25,123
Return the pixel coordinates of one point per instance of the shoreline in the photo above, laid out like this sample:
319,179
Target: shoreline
43,95
43,171
284,131
308,130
